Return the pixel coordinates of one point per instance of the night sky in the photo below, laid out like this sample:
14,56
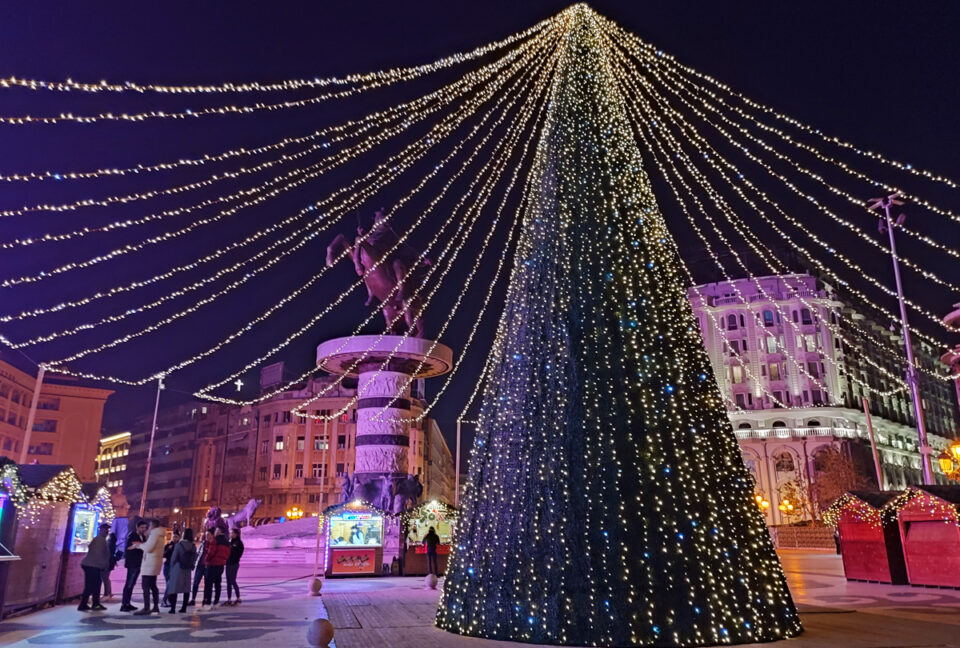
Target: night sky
879,74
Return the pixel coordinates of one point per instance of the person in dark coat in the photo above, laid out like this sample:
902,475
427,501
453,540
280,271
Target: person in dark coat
216,550
233,564
94,563
431,540
132,557
114,557
182,560
200,571
167,555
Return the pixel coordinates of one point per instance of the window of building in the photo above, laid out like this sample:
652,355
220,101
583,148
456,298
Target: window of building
318,471
779,424
731,322
744,426
296,498
813,369
278,442
813,423
301,443
4,391
15,398
41,449
805,316
298,471
265,447
777,399
783,462
768,318
775,371
206,494
286,417
320,443
48,404
734,347
8,444
341,442
816,397
796,317
276,471
339,470
771,344
740,402
45,426
311,498
736,374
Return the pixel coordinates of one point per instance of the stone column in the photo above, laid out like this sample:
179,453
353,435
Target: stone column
383,433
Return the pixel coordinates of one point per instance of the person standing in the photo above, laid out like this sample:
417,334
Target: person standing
233,564
152,565
216,550
94,564
181,565
201,570
167,555
431,540
112,547
132,557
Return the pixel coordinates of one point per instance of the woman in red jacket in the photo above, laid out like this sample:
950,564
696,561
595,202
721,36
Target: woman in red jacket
216,550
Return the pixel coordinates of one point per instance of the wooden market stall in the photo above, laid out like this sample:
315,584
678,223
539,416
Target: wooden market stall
870,544
417,522
928,519
43,498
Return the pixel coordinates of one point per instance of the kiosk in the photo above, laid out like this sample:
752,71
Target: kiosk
928,517
355,534
870,545
417,522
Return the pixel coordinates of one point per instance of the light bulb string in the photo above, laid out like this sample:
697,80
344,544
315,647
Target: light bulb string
69,85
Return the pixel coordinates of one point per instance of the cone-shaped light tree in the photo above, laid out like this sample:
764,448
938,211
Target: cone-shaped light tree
608,503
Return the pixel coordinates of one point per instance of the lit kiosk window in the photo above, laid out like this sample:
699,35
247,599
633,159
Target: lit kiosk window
83,528
354,540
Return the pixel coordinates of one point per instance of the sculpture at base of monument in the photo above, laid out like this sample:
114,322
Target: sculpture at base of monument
244,515
391,270
391,494
214,520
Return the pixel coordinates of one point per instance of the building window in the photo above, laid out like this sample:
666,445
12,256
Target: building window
296,498
45,426
731,322
779,424
278,443
736,374
320,443
41,449
206,494
341,442
768,318
783,462
276,471
345,417
740,403
339,470
805,316
744,426
298,471
318,471
301,442
816,397
775,371
265,447
286,417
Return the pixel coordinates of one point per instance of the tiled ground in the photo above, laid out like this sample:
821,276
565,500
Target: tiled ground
398,613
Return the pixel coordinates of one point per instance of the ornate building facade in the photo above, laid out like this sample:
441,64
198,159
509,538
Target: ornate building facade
794,387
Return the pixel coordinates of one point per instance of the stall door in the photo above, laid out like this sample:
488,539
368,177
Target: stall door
33,578
932,549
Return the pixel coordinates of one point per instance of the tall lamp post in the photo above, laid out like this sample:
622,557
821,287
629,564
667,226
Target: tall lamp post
887,225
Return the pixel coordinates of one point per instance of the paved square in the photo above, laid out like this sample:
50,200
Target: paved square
398,613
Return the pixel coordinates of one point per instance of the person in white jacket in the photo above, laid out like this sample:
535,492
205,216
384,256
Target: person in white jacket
151,567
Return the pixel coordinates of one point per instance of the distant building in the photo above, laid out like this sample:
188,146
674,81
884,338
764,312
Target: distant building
299,461
783,415
112,460
66,429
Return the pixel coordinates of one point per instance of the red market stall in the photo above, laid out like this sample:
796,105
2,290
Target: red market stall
417,522
355,538
870,545
931,536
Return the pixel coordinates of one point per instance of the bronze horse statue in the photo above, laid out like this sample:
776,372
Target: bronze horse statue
391,270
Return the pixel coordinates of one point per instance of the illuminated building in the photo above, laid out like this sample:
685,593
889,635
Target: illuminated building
66,430
112,460
780,348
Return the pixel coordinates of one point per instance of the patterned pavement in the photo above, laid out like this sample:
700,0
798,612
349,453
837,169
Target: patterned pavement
398,612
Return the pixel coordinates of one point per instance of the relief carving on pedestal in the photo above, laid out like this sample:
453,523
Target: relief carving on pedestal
386,383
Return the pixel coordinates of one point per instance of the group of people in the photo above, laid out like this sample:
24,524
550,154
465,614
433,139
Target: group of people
147,554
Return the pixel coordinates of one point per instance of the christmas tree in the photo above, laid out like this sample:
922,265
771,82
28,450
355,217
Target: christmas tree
608,503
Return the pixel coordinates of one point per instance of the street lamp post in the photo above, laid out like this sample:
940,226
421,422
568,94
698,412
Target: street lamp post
153,433
888,225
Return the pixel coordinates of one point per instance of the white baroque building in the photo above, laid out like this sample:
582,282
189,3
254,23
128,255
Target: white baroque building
793,387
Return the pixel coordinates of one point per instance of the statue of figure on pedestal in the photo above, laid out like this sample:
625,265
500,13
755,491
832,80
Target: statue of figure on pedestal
392,271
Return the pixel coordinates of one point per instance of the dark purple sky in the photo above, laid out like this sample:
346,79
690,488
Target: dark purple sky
881,74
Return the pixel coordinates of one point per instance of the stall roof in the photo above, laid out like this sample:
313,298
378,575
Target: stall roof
36,475
946,493
90,489
875,498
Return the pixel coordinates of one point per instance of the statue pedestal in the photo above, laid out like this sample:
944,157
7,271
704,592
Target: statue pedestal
385,368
